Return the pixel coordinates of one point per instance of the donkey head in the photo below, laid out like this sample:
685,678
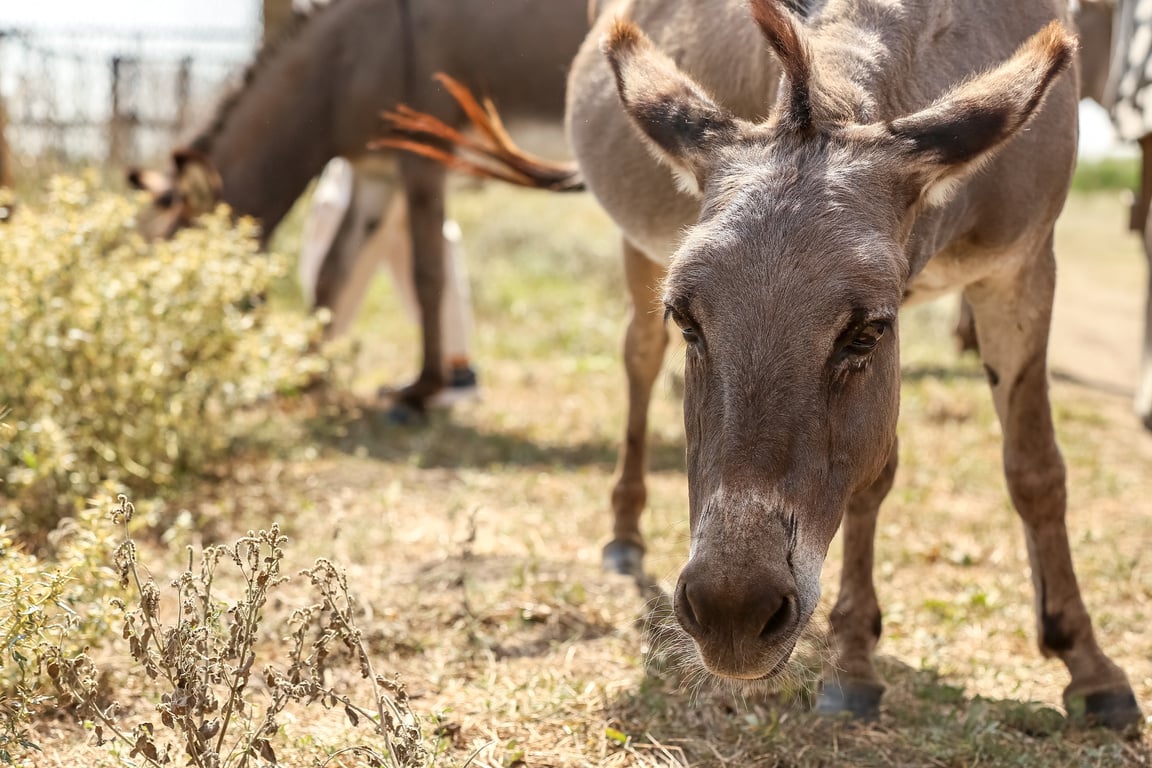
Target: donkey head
190,188
786,292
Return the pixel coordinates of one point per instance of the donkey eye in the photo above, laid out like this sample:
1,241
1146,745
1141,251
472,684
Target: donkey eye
166,200
865,339
688,329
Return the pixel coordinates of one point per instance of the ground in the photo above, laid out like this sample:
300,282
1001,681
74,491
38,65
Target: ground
473,541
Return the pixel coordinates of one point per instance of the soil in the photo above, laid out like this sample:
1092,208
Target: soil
1098,320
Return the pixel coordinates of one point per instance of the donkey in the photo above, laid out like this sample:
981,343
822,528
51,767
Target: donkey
913,148
318,92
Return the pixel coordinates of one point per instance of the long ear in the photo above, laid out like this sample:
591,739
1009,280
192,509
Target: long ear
682,122
787,39
962,130
197,179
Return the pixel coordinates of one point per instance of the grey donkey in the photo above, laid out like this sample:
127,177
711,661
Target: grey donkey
910,148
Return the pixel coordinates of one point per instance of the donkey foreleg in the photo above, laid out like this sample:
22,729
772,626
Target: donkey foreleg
1013,315
424,191
850,682
644,345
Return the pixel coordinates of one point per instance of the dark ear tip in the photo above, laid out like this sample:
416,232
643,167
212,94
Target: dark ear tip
181,158
184,156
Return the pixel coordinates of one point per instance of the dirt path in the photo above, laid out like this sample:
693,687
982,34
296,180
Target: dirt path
1098,318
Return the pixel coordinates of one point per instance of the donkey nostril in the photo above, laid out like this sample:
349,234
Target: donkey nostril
778,622
686,612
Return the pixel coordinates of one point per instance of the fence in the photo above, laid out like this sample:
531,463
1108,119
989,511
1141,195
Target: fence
95,95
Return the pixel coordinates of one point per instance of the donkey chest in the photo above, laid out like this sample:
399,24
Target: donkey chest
948,272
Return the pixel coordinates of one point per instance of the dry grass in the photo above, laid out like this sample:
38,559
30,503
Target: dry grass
473,541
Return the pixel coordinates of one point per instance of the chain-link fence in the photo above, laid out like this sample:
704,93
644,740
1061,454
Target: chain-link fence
95,95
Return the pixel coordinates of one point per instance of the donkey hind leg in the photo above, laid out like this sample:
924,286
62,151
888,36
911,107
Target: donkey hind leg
851,683
354,254
1144,388
1012,320
644,345
965,331
391,246
424,190
1139,223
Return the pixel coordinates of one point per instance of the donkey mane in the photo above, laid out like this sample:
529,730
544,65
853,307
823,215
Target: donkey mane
852,49
204,140
799,7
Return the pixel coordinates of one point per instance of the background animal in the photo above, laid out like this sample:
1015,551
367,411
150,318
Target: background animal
318,93
357,222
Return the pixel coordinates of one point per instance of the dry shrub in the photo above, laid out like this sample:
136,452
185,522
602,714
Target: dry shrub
58,600
126,361
222,692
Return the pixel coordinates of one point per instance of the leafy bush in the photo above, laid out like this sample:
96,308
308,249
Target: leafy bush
128,361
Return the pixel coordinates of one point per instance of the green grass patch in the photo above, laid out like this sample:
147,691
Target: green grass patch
1107,174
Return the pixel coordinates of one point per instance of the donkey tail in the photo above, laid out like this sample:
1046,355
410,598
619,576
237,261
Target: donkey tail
490,154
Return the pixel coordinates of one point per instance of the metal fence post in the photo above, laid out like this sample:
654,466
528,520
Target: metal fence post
5,155
125,117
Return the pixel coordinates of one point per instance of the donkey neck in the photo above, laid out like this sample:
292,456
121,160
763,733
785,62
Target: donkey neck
515,52
866,55
305,100
880,59
319,94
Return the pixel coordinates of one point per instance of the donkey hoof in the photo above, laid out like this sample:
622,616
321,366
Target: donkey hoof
403,415
1116,710
860,700
624,557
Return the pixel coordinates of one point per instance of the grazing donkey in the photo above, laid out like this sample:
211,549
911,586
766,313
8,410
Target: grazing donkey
914,147
318,93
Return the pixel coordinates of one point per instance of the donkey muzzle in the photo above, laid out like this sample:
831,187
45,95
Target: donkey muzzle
744,616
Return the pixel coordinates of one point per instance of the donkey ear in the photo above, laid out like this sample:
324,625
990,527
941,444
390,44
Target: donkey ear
787,38
682,123
952,138
197,179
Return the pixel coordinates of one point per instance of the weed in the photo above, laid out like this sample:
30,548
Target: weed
207,662
46,602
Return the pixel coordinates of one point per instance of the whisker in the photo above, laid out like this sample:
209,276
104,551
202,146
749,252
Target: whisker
672,654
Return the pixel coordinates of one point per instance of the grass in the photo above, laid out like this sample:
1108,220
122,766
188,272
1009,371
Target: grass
1107,174
473,541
